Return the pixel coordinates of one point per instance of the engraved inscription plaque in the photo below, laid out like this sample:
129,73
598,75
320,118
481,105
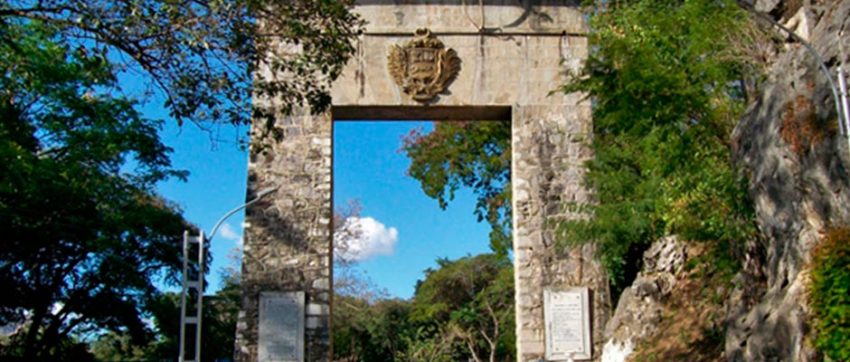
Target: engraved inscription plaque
567,317
281,334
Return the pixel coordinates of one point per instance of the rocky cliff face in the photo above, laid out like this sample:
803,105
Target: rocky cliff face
673,310
790,145
641,307
791,148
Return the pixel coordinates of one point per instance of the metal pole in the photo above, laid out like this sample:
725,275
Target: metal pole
193,279
198,285
260,195
818,58
183,293
842,85
200,307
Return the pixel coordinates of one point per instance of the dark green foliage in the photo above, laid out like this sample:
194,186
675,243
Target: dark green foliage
463,308
369,332
84,233
84,236
454,283
202,54
830,294
664,80
476,155
117,347
219,326
471,300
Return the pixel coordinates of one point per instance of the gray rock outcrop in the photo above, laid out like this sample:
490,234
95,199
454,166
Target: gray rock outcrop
790,146
640,308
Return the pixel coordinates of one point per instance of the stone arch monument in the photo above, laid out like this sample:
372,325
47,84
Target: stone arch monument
420,59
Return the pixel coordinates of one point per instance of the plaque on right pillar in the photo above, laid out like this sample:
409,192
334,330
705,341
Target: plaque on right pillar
566,313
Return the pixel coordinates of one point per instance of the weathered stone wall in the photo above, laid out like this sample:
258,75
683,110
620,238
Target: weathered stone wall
288,237
508,62
512,58
548,149
790,147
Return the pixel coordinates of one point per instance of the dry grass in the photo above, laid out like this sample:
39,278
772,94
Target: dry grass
692,327
800,126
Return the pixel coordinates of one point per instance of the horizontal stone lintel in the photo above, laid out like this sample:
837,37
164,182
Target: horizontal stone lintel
461,31
466,113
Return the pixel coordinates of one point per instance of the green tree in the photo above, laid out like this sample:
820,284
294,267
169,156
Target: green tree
666,94
84,235
369,331
219,324
429,344
83,227
476,155
469,302
115,346
462,310
202,54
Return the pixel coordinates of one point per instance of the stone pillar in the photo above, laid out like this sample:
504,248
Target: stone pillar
288,235
549,148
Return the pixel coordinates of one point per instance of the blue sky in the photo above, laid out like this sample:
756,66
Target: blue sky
368,167
217,172
216,184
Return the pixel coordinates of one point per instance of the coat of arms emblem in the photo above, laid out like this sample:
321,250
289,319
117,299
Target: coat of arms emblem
423,67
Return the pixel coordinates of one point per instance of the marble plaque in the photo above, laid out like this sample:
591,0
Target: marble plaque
566,313
281,334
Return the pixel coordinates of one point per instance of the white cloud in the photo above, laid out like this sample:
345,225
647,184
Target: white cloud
367,238
229,233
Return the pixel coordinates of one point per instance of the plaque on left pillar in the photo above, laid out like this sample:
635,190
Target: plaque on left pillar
281,327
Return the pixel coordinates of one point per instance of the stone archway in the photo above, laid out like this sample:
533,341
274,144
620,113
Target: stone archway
510,60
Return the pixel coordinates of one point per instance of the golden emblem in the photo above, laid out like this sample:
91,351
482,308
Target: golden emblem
423,67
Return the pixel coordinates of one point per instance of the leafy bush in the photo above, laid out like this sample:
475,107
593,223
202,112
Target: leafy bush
667,94
830,294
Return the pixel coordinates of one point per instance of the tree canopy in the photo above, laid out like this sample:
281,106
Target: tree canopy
219,326
667,92
202,55
471,300
82,228
471,154
462,310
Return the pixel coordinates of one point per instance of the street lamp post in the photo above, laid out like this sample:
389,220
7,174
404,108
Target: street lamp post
192,295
